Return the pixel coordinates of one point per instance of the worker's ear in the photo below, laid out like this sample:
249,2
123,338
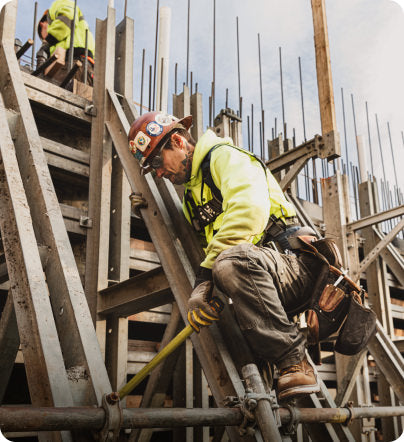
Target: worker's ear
178,140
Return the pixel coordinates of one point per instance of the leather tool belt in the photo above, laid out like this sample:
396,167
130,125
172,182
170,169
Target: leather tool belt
337,303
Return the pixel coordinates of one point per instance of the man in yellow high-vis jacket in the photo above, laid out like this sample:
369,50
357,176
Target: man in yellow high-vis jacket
54,29
236,206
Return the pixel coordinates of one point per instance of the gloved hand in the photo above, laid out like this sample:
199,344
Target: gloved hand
43,54
202,309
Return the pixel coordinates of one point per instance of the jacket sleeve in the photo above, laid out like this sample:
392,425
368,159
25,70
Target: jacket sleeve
246,204
59,29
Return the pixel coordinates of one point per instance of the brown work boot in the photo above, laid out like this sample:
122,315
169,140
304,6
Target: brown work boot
297,380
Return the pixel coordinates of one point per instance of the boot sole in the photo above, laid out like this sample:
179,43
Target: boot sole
298,391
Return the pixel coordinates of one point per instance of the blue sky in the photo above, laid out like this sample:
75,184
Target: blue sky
367,59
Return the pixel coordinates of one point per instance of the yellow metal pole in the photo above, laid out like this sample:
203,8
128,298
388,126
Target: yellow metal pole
168,349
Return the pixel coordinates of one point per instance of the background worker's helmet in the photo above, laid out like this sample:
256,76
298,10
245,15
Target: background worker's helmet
44,19
150,131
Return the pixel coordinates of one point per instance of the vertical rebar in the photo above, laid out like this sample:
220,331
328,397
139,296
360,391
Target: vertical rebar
34,34
189,8
196,87
192,81
248,133
150,86
370,141
345,137
301,96
86,58
214,59
227,98
141,83
283,104
155,52
276,128
238,72
354,121
72,30
125,8
252,127
263,132
392,155
380,147
260,127
260,70
175,78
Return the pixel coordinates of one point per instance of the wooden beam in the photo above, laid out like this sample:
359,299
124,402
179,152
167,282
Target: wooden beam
135,295
323,65
97,246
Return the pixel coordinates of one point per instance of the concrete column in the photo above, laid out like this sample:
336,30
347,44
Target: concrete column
362,159
163,54
197,115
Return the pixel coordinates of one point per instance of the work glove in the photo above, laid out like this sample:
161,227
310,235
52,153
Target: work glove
202,308
43,54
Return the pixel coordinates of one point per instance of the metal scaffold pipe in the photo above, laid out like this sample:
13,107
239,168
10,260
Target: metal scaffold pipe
26,418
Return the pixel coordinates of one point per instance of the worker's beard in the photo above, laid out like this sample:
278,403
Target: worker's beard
187,162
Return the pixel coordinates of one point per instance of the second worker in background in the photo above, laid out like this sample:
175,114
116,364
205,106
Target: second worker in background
54,29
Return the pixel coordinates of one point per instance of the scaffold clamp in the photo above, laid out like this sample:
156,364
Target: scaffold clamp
113,418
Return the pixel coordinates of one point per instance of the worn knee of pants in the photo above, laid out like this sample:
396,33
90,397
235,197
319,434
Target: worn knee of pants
262,283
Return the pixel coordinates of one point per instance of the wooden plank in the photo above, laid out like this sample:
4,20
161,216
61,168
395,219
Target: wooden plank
97,244
67,165
323,66
136,294
75,330
64,151
45,368
54,91
57,105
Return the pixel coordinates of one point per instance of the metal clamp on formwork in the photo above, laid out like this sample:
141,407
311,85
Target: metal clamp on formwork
113,418
291,428
137,202
247,405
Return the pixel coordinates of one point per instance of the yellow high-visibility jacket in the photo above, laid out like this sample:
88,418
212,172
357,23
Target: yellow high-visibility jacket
60,16
250,195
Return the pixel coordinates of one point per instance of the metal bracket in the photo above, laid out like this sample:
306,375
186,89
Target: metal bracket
91,110
247,405
291,428
113,418
86,222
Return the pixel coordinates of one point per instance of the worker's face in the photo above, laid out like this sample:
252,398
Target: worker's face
43,29
177,161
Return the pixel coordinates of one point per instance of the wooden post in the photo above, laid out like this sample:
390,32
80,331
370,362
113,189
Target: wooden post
323,66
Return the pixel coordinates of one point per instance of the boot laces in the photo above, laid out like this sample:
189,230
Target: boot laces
291,369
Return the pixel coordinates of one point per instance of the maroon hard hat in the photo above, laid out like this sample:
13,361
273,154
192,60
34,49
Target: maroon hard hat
148,131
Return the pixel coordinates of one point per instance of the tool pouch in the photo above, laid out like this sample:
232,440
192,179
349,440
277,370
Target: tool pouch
358,328
332,305
329,308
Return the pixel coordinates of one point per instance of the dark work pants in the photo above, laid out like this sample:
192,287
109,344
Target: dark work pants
263,284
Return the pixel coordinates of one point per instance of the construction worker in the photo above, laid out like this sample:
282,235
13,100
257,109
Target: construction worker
236,206
54,30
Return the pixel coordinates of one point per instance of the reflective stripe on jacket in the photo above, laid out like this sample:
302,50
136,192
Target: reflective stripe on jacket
60,16
250,195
